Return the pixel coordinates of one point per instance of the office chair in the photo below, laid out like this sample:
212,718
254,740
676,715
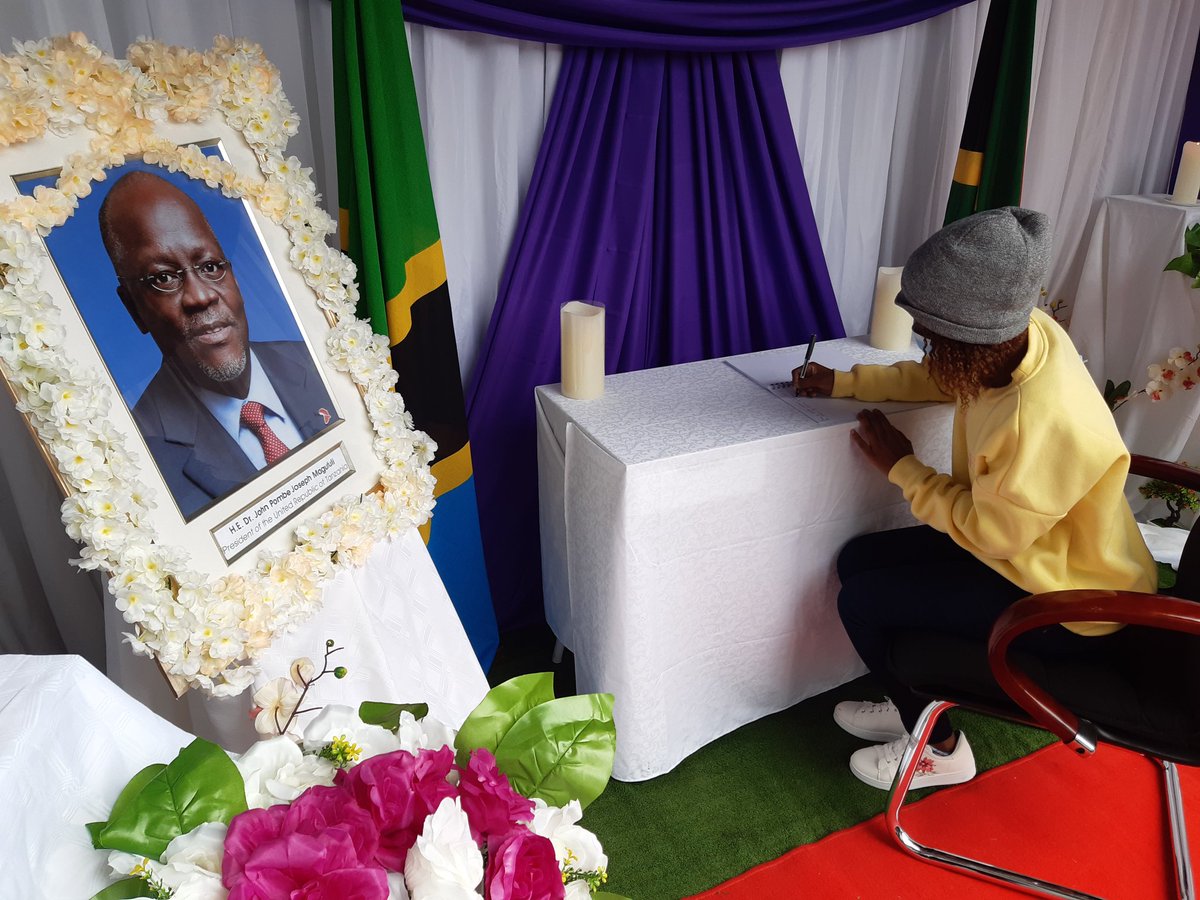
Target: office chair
1142,693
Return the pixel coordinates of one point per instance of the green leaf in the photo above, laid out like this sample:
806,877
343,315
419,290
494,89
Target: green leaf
388,714
503,705
1185,264
1123,388
1191,237
162,802
125,889
126,801
562,750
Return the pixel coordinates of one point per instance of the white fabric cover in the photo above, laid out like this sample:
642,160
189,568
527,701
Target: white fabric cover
690,521
1129,313
878,121
1111,81
402,638
70,740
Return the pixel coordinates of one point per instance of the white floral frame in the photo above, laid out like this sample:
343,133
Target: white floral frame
203,620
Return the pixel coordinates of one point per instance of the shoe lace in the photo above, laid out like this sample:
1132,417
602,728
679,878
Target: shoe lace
893,750
877,709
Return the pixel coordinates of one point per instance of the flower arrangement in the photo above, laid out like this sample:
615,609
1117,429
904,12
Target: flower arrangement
1180,371
374,804
205,633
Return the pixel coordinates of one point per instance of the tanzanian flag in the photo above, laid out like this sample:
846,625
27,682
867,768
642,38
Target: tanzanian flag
389,228
991,156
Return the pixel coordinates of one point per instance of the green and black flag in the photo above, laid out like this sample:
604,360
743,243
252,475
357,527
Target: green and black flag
991,156
389,228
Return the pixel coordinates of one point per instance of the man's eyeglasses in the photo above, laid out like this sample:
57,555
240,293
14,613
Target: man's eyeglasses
171,281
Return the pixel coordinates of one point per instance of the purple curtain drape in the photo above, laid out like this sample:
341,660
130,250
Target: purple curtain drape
695,25
668,187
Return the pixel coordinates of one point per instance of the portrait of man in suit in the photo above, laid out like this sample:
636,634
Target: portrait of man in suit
221,406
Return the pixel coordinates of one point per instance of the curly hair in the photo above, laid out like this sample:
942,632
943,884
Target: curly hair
963,370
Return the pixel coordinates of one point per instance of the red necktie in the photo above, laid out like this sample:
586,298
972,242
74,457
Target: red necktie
252,418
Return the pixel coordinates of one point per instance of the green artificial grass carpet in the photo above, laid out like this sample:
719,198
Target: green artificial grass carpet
756,793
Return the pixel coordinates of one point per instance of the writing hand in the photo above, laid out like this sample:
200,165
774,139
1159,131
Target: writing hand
818,382
882,442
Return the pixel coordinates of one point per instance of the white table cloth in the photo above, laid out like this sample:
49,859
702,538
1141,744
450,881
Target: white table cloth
690,521
70,739
1129,313
403,643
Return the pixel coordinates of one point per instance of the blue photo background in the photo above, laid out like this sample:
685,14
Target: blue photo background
132,357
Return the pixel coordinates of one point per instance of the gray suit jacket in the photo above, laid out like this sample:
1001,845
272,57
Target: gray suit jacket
198,459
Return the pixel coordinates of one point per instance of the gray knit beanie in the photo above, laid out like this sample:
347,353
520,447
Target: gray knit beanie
977,279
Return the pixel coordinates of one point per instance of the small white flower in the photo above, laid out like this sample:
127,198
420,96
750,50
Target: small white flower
277,700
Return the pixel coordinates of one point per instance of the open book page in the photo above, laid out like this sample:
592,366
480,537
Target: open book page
773,372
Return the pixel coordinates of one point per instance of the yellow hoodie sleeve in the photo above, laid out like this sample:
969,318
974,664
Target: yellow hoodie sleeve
1014,498
906,380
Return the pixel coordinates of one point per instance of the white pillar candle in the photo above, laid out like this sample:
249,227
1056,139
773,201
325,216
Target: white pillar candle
582,350
891,326
1187,180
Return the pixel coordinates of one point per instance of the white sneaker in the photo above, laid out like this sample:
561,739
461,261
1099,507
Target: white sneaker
877,766
870,721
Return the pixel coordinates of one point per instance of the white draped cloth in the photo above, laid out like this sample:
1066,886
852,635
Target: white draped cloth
1130,313
403,643
70,740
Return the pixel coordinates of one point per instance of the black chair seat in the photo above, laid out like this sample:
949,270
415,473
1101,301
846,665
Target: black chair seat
1124,693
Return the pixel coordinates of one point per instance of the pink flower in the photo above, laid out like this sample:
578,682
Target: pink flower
522,867
320,808
399,790
304,867
491,805
246,832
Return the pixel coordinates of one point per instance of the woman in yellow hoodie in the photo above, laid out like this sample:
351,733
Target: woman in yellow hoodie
1035,498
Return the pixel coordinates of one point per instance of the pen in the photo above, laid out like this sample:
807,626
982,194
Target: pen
812,342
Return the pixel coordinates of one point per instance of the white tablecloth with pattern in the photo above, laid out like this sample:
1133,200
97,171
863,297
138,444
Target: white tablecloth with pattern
689,524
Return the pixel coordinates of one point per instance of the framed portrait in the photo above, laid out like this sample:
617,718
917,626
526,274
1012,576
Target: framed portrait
182,341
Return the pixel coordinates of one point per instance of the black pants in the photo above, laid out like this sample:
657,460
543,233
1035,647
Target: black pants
918,578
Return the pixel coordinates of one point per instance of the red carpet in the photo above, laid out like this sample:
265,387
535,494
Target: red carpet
1097,825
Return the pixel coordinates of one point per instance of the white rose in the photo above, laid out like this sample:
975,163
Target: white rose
275,768
396,887
203,847
559,825
293,780
337,720
444,863
199,886
576,890
428,733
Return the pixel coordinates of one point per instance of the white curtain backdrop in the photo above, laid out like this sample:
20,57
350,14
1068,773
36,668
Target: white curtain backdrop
1105,115
877,120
